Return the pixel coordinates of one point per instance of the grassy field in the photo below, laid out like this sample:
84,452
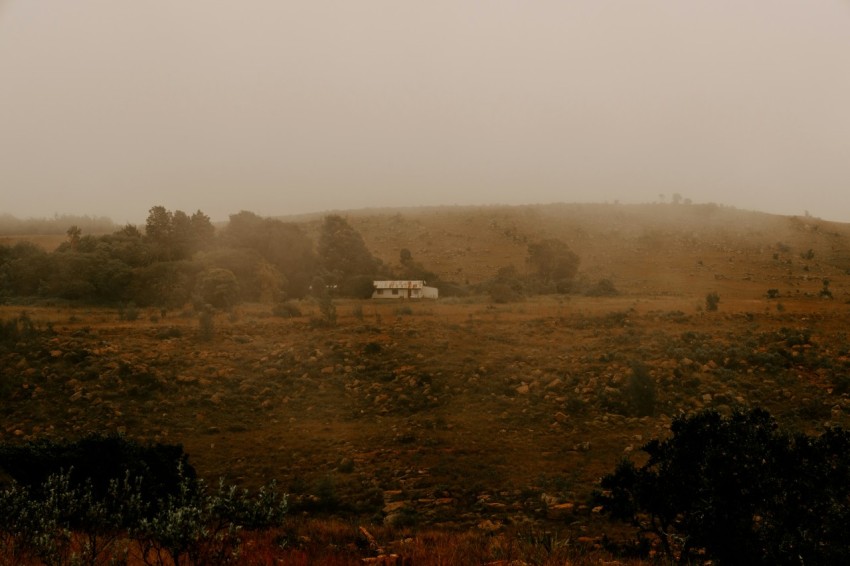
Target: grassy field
461,415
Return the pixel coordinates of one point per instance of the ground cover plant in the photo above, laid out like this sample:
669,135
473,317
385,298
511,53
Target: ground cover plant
488,420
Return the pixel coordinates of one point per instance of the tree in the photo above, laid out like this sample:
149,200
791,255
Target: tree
203,231
342,252
283,245
711,301
177,235
739,490
218,287
411,269
74,233
554,262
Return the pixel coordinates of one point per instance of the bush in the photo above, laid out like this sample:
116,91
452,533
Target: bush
738,490
501,293
327,312
286,310
98,459
129,312
21,331
711,301
602,288
641,391
110,491
206,325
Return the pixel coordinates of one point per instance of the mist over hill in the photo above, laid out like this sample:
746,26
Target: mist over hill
654,248
658,248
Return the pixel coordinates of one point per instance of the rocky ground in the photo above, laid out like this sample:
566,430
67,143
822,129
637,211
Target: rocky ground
452,414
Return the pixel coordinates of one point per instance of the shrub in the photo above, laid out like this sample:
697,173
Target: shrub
78,515
327,312
97,459
738,490
286,309
502,293
641,391
206,325
21,331
602,288
711,301
203,526
129,312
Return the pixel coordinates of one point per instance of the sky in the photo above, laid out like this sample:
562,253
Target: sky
110,107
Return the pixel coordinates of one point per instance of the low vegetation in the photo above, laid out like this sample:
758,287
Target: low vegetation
469,430
738,490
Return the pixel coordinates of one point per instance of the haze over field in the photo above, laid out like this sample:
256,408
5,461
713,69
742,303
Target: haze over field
108,108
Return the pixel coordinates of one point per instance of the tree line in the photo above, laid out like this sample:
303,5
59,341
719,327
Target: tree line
179,258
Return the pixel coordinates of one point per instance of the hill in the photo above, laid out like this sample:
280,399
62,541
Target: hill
461,413
653,249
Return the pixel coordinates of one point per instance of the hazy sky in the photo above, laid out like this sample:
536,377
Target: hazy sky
108,107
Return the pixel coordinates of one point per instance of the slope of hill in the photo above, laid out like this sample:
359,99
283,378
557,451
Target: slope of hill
655,249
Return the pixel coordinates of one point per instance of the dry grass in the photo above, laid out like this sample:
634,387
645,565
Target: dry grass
470,428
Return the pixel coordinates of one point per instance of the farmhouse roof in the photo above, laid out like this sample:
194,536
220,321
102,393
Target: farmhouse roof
398,284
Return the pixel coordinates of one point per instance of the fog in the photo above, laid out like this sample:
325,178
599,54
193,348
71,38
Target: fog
109,107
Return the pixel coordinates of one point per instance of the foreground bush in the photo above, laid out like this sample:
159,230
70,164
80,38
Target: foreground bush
739,490
72,518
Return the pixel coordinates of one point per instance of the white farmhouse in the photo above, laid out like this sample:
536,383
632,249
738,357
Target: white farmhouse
403,290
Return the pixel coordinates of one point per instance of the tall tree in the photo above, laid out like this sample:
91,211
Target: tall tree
282,244
342,252
158,232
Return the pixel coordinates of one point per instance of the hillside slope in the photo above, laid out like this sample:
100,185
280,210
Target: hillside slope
656,249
